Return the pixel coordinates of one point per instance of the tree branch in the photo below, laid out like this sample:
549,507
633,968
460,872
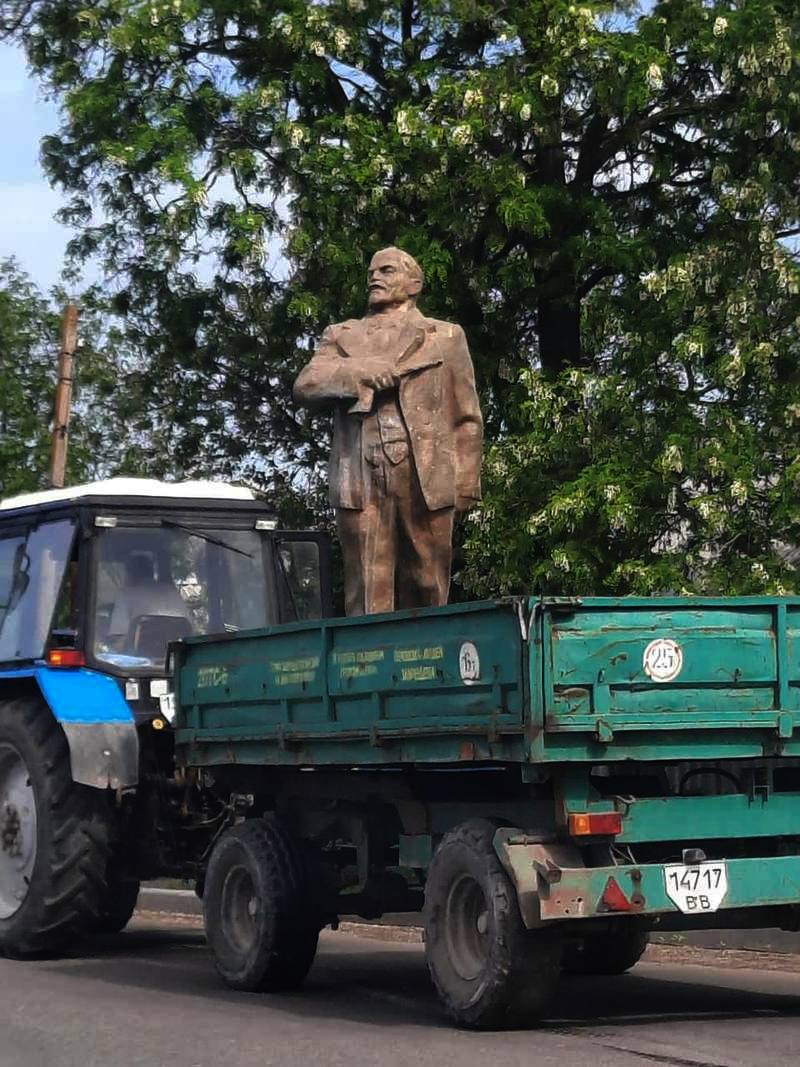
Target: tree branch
629,133
593,279
407,20
589,160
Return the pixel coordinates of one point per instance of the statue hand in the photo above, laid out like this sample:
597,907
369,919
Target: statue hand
465,503
380,381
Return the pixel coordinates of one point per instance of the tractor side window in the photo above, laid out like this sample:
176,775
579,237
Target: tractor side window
31,574
299,580
10,548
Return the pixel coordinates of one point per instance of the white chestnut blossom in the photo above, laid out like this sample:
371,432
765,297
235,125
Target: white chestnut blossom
296,135
561,560
655,77
673,458
403,123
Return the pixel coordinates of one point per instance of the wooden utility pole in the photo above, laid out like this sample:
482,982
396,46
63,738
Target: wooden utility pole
69,342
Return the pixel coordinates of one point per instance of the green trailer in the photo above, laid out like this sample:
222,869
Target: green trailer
549,781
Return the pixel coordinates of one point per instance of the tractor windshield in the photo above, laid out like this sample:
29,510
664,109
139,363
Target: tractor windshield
158,584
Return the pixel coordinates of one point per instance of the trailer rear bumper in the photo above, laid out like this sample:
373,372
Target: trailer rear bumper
552,884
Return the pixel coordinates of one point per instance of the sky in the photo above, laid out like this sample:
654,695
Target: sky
28,230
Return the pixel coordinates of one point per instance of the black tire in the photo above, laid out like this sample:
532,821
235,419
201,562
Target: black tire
612,952
261,921
67,844
488,969
118,905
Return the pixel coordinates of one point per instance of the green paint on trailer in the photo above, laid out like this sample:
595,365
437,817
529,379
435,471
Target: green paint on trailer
559,682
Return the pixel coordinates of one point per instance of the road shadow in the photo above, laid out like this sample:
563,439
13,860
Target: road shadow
363,981
644,999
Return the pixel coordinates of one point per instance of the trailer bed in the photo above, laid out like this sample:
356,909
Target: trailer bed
518,680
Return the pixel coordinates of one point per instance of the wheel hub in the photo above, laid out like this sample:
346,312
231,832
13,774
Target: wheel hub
17,831
239,909
467,927
11,831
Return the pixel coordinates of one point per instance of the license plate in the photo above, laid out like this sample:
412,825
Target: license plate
697,887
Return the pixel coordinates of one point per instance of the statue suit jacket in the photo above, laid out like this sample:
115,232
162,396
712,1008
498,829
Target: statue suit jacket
437,398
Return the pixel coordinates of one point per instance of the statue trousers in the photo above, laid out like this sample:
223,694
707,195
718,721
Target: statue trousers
397,553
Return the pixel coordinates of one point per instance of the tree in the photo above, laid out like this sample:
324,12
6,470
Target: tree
29,338
26,377
541,159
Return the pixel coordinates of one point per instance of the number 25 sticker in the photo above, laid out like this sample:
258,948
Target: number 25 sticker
663,659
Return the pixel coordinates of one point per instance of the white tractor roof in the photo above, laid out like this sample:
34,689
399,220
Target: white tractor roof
132,487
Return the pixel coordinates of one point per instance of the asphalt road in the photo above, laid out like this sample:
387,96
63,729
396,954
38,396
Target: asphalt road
151,997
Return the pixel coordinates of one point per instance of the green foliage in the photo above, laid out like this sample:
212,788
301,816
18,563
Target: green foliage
29,342
601,194
674,462
26,376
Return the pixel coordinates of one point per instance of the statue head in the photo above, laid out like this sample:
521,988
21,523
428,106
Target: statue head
393,278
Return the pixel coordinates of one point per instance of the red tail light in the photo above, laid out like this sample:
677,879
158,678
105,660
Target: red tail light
596,824
66,657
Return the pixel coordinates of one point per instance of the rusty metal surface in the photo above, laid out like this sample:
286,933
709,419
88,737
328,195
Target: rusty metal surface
552,884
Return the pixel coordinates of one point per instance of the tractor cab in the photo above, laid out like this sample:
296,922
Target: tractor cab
105,576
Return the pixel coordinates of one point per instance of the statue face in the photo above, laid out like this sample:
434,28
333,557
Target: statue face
389,282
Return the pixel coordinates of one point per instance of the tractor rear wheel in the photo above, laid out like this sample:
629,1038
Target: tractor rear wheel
118,904
54,836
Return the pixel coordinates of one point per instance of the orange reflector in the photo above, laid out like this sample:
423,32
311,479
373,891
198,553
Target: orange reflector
598,824
66,657
614,899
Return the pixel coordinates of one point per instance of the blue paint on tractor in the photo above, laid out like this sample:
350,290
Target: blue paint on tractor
77,695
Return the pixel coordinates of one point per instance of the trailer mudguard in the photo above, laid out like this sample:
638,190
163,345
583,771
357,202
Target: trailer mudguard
97,722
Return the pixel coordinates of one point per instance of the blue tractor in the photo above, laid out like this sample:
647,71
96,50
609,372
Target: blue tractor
96,581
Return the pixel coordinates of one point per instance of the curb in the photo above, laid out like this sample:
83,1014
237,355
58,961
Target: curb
777,942
169,901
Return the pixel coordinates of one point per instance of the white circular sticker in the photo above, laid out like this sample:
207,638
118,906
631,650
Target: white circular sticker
663,659
469,663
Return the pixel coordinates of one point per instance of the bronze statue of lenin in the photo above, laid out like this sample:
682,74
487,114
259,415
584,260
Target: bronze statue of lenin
407,435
